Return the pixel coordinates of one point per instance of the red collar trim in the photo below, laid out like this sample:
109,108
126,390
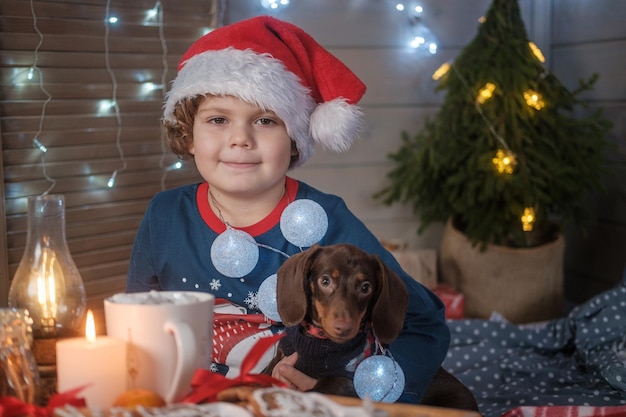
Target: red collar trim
313,330
272,219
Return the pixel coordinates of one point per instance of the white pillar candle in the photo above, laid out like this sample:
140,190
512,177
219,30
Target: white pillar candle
98,363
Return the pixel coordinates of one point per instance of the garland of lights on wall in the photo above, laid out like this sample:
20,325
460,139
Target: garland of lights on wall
153,17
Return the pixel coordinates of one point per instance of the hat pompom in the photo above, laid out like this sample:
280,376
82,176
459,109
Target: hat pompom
335,124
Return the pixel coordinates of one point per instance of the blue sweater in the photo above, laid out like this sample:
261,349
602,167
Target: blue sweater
172,252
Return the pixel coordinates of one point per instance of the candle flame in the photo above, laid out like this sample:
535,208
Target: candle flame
90,328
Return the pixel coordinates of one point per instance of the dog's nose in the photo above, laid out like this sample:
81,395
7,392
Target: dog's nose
342,327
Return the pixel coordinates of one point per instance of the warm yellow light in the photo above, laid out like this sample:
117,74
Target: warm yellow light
504,161
482,19
534,99
485,93
537,52
528,219
46,288
441,71
90,328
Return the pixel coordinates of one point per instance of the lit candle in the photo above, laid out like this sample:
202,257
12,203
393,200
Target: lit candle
99,364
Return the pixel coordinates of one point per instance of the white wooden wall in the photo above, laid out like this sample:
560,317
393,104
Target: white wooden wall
578,36
588,37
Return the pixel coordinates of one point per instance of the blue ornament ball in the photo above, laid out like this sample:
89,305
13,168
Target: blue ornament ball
234,253
266,298
303,223
380,378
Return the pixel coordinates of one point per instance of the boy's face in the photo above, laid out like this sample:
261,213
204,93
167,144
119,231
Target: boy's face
239,148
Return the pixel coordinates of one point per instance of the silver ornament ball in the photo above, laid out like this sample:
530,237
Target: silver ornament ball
379,378
303,223
234,253
266,298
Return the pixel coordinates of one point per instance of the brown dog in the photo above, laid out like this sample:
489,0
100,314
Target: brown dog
333,300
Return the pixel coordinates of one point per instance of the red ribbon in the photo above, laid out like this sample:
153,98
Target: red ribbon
13,407
206,384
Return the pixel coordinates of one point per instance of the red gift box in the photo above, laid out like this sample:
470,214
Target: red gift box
452,299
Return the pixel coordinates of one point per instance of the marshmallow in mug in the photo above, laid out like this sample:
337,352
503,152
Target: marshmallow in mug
154,297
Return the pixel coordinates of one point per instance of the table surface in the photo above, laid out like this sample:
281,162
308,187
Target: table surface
408,410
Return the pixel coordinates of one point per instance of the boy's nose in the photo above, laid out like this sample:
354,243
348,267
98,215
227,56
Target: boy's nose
241,136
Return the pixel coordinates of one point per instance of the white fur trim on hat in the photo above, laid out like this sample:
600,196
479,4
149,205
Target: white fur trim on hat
255,78
335,124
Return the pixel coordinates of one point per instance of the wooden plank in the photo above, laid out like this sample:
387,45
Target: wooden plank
578,21
575,62
399,78
357,193
19,108
596,262
344,24
78,137
380,136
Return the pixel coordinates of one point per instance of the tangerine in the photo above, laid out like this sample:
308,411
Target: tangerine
139,397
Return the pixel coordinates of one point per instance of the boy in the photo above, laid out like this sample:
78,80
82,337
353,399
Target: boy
249,102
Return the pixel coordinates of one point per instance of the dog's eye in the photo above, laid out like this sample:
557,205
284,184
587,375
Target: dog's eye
366,287
325,281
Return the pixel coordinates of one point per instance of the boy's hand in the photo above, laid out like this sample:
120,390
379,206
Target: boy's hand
285,371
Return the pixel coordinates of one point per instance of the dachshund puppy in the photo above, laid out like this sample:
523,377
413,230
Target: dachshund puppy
339,304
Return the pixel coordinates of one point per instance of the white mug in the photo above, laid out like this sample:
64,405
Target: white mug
168,335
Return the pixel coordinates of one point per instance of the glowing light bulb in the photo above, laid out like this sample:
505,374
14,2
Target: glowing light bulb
485,93
113,19
175,166
274,4
504,161
528,219
482,19
111,182
537,52
400,7
418,10
39,145
534,99
152,13
105,106
149,87
423,39
441,71
31,73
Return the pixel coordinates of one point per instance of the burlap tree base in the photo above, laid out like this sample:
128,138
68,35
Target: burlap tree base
523,284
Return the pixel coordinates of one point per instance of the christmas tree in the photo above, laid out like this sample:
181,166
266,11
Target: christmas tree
505,157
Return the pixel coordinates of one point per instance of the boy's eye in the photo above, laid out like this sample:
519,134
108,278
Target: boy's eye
217,120
265,121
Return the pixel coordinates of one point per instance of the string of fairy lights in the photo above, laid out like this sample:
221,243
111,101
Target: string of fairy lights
504,160
420,38
153,17
33,71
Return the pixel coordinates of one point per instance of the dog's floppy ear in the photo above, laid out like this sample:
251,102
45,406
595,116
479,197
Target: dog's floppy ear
390,308
291,282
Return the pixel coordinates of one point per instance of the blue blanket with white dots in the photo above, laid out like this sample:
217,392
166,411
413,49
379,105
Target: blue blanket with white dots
579,359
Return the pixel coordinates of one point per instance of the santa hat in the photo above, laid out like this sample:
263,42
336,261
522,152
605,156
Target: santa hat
279,67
